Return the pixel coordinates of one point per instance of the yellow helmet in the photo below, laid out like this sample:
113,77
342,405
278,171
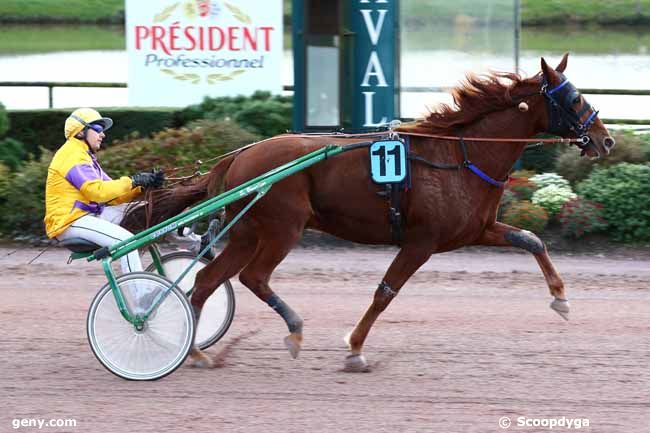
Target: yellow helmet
82,118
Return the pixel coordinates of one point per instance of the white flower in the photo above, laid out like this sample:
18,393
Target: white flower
546,179
552,197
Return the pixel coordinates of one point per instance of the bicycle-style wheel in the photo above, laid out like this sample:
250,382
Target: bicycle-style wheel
218,311
156,350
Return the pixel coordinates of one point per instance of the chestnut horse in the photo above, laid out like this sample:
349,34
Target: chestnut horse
443,209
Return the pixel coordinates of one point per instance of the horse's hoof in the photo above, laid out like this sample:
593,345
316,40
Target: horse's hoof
199,359
293,342
356,364
561,307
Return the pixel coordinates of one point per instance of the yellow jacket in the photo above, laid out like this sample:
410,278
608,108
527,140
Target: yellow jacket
77,185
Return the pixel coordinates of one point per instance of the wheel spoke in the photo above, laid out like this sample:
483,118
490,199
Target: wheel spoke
152,352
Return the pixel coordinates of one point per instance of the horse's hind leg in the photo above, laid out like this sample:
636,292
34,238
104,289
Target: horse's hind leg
271,250
237,253
503,235
409,260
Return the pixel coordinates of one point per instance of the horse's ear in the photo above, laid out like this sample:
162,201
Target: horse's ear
548,72
562,66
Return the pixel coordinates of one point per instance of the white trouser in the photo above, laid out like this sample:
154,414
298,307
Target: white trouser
104,230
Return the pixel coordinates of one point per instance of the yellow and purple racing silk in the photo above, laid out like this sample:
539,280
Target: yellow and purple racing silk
77,185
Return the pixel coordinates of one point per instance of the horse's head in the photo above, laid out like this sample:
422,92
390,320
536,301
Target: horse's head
569,115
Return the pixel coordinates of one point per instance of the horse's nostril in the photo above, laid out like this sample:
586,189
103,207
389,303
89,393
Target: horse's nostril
609,142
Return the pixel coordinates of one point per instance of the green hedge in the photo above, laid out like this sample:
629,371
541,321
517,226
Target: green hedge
540,159
62,11
27,39
4,120
630,147
534,12
200,140
12,153
261,113
553,12
44,128
624,191
22,200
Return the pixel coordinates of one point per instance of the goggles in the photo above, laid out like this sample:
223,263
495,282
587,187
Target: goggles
96,127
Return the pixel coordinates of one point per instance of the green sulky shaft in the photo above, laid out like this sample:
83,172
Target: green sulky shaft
210,206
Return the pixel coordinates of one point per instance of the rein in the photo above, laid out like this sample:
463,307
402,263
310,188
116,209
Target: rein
198,163
466,163
498,140
561,118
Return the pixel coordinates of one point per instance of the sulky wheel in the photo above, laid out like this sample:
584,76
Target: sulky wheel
155,350
218,311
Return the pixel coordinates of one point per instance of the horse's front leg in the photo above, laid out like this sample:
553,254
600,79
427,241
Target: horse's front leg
409,259
503,235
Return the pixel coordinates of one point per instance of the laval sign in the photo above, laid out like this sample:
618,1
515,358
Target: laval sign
181,51
375,98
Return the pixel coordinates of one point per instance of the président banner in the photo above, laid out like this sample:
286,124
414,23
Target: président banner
181,51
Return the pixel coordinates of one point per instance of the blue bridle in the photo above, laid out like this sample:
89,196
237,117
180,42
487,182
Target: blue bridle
562,118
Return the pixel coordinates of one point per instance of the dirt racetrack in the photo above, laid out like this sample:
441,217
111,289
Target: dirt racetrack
468,341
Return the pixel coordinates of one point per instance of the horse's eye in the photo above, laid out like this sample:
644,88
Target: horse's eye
576,100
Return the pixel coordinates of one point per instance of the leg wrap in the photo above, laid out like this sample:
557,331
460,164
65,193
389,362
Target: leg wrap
386,291
525,240
293,320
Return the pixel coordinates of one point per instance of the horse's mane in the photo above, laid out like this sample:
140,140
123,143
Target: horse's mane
475,97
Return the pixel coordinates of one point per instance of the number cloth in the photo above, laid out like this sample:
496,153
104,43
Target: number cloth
388,161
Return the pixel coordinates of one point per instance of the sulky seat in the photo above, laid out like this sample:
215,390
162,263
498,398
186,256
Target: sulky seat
78,245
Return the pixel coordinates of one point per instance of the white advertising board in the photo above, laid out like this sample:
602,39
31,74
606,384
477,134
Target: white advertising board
181,51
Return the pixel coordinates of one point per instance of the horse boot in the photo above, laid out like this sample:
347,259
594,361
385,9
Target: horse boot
561,307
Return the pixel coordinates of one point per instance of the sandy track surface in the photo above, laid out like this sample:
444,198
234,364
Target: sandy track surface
469,340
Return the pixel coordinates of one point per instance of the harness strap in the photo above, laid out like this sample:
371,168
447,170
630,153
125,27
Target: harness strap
395,212
357,145
477,171
418,158
466,164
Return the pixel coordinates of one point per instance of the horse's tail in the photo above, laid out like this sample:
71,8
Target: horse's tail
218,172
166,203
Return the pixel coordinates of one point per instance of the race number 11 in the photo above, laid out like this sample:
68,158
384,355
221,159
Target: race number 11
388,161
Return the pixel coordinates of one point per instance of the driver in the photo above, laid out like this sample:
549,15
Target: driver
81,200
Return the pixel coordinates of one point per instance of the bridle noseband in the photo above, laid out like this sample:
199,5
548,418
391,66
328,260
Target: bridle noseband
562,118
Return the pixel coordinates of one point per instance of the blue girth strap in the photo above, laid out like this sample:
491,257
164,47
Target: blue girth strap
477,171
